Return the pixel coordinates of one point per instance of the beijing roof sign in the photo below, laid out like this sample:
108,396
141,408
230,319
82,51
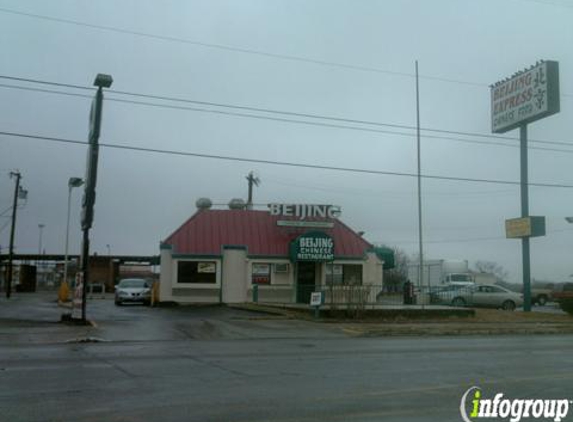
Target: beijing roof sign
304,211
527,96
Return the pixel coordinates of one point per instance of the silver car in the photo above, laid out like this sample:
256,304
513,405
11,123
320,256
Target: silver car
133,290
487,296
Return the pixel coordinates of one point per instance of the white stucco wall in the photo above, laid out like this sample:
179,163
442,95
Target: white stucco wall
234,280
234,276
281,288
166,276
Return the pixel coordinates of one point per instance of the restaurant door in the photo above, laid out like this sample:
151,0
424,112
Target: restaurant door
306,279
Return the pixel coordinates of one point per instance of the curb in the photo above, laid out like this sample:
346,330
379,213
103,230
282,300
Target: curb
458,330
263,310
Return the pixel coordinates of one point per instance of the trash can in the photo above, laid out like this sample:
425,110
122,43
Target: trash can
408,291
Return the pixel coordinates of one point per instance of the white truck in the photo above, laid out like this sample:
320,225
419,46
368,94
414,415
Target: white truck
441,272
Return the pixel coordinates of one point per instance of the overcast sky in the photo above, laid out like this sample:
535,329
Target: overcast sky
358,64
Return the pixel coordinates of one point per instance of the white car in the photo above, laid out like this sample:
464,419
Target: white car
487,296
133,290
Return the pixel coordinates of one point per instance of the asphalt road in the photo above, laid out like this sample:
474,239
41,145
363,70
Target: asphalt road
216,364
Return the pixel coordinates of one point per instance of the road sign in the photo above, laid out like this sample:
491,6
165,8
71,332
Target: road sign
316,299
517,228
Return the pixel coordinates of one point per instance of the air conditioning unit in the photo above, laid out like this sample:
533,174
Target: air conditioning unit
281,268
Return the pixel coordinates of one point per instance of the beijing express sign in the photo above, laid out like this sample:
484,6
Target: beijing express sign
527,96
314,246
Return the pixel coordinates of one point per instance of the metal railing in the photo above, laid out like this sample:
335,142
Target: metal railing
367,295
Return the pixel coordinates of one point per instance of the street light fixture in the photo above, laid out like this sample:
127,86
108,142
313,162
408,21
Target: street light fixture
103,81
569,219
73,182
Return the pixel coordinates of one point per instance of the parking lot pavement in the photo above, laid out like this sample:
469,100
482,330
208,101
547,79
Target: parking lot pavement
34,318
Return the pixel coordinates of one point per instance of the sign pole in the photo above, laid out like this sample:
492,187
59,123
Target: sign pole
526,256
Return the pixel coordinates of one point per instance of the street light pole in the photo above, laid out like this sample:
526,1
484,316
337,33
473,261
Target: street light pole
41,228
73,182
39,261
101,81
11,249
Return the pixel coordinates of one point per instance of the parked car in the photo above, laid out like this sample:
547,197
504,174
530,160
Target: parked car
564,297
133,290
541,296
488,296
443,295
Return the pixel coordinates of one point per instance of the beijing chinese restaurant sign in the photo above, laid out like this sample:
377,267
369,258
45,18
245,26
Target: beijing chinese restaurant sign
527,96
313,246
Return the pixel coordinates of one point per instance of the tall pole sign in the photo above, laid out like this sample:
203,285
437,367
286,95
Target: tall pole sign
525,97
82,280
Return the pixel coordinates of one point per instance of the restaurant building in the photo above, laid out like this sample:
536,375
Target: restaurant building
279,255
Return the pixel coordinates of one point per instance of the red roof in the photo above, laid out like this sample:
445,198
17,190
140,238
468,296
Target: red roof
206,232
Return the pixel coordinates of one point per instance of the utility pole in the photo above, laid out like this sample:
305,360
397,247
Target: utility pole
420,222
253,180
17,175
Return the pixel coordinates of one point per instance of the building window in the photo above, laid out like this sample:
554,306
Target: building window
261,273
344,274
197,272
334,274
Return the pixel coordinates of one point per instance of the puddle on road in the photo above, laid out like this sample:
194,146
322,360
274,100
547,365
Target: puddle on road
87,340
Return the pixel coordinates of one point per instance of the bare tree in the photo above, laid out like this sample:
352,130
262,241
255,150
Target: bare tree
491,267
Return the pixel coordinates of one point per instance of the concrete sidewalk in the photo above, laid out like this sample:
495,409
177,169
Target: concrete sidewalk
33,318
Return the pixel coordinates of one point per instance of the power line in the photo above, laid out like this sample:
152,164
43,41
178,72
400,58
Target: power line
5,211
47,91
475,239
235,49
319,124
370,192
240,49
37,81
283,163
6,224
324,117
289,113
546,3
